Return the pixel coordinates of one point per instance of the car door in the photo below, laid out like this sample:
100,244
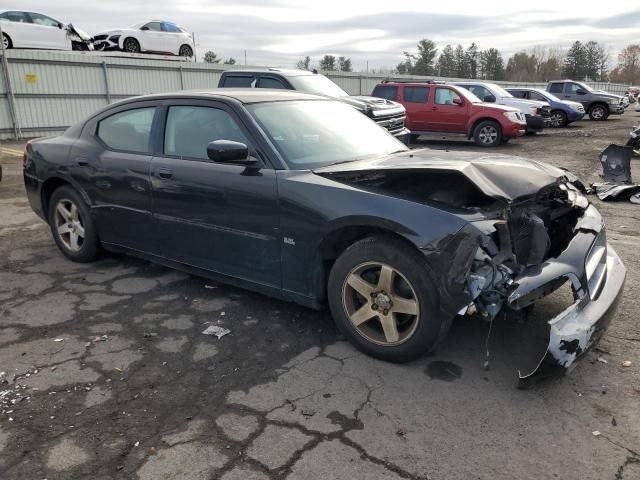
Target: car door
111,162
152,38
220,217
48,32
415,101
450,111
173,37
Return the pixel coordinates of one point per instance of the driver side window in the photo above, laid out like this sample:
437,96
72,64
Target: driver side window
445,96
574,87
190,129
153,26
43,20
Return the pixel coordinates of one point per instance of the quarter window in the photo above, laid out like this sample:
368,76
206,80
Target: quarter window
416,94
556,87
445,96
190,129
128,131
386,91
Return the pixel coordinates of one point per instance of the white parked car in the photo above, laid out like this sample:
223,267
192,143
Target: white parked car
536,112
22,29
156,36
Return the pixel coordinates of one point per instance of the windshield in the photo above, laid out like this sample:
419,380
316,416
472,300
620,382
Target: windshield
312,134
586,87
468,95
316,84
503,93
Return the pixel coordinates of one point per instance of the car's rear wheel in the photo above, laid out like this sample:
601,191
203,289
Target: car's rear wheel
6,41
487,134
382,299
131,45
72,227
558,119
598,112
185,51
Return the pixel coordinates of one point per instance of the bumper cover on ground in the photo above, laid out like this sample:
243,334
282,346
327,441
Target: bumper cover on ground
579,327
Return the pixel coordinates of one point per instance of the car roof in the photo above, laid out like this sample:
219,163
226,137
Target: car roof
242,95
291,72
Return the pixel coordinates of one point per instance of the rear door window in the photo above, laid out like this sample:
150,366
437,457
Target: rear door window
127,131
190,129
243,81
536,96
416,94
270,82
479,91
556,87
385,91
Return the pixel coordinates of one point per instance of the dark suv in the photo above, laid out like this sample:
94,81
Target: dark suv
388,114
599,105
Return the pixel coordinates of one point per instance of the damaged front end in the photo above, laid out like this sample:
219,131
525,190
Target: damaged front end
539,245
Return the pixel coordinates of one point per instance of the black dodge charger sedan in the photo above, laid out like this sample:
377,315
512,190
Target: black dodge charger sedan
305,199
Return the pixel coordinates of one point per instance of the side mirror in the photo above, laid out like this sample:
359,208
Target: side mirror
580,91
60,26
489,99
457,101
144,28
227,151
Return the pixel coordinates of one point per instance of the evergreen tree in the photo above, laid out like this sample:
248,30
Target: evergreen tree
446,62
472,55
575,62
460,62
304,63
344,64
328,63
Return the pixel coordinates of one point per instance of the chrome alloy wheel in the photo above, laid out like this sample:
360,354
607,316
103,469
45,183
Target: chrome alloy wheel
598,113
381,303
69,226
557,119
488,134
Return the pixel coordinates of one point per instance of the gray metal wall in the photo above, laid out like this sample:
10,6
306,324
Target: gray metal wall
53,90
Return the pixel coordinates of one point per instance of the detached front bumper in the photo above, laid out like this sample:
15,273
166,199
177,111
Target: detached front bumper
535,123
597,275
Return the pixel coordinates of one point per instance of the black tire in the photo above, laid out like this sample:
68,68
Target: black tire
7,40
421,331
185,51
558,119
487,134
131,45
88,246
598,112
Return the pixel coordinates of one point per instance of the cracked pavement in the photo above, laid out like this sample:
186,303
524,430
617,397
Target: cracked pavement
106,373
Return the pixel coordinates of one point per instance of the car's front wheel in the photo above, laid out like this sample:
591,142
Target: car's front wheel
72,227
382,299
7,41
487,134
185,51
598,112
131,45
558,119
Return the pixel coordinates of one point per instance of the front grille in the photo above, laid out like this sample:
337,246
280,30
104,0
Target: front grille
391,122
100,37
544,111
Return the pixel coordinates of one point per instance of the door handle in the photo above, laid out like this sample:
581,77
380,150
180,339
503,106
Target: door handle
82,162
434,108
165,173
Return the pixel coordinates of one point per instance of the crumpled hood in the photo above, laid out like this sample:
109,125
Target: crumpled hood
504,177
79,33
367,104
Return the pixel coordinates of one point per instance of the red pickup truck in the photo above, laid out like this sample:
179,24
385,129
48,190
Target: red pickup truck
438,108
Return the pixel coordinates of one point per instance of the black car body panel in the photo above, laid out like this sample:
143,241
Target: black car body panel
520,225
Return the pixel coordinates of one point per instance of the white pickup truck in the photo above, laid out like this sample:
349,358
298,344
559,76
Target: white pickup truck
537,113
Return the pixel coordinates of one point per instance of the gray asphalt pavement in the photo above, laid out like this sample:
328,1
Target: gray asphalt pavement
105,372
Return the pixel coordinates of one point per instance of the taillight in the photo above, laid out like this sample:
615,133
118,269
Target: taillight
25,155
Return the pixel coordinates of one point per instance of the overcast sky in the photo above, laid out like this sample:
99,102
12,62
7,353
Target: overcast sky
280,32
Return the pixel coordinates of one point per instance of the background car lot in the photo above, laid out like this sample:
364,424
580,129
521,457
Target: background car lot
141,392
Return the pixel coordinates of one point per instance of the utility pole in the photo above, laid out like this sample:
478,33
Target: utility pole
245,56
17,133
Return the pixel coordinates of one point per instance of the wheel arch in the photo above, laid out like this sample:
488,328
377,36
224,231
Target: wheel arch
8,38
478,121
336,241
599,103
51,185
128,36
